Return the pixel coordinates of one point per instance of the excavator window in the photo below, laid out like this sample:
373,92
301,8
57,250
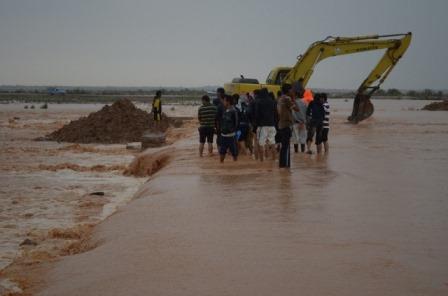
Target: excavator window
270,79
281,76
245,80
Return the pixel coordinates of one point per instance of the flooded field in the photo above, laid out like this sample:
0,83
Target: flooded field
368,218
49,185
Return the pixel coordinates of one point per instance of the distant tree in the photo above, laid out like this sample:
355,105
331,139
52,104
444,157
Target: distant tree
381,92
77,91
412,93
393,92
440,94
427,93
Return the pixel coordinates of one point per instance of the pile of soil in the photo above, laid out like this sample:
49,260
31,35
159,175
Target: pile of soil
437,106
121,122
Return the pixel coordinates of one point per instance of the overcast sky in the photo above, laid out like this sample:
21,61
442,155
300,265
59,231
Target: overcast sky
198,42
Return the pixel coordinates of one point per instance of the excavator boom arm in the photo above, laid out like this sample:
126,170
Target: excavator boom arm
335,46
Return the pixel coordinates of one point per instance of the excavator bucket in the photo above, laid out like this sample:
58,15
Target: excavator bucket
362,108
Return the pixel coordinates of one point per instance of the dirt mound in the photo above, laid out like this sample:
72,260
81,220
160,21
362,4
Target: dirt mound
121,122
437,106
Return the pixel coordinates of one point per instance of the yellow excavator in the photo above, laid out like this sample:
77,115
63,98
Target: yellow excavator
299,75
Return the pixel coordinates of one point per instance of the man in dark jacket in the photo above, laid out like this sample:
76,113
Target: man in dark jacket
219,103
228,127
253,125
315,114
265,115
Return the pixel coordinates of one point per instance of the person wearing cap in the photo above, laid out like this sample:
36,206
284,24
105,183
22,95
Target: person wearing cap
299,133
315,114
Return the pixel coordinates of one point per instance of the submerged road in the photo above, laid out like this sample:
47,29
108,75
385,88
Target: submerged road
370,218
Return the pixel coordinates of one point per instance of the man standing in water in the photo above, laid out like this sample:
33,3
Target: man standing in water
219,103
250,134
326,125
315,118
253,123
285,108
228,127
299,127
243,123
265,115
206,116
157,106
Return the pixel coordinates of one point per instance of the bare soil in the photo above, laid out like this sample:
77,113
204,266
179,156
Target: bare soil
437,106
120,122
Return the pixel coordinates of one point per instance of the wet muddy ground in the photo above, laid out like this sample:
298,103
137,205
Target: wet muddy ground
369,218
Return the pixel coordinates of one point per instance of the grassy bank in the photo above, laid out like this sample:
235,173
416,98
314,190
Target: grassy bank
91,98
187,98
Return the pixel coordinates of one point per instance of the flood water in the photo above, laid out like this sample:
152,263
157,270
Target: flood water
46,185
368,218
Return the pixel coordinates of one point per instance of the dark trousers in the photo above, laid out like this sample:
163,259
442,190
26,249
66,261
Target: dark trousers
228,144
284,136
315,128
218,137
206,134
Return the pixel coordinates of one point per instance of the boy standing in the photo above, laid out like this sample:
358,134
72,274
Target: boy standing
206,116
157,106
228,127
315,118
243,123
218,102
285,122
299,127
326,126
265,115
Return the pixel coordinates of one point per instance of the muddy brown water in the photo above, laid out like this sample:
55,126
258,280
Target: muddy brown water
369,218
46,185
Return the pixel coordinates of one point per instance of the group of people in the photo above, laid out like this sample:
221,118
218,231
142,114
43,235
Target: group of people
262,125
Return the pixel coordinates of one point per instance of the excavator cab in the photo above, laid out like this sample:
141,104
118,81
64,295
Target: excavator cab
281,76
277,75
